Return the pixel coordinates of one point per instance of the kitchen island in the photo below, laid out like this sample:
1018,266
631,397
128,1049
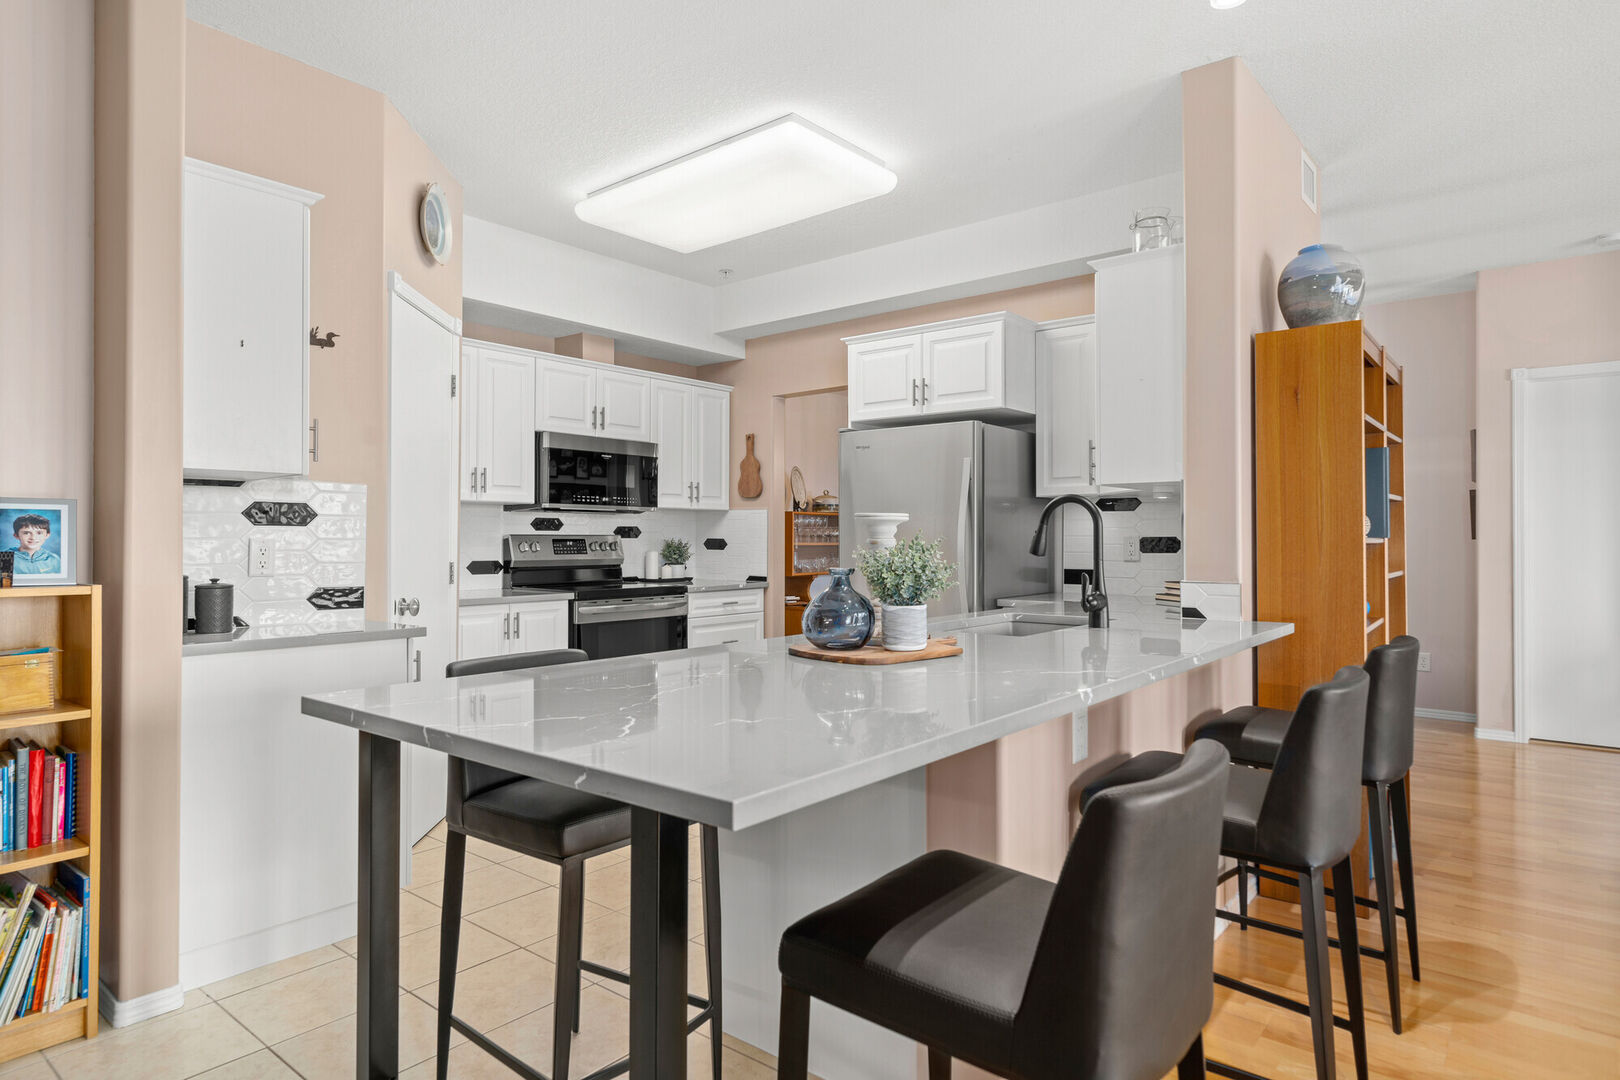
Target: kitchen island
820,770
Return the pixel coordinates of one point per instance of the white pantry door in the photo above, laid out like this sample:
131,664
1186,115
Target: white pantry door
423,490
1566,451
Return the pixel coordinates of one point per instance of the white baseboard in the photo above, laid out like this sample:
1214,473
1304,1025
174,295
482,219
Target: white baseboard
124,1013
205,964
1495,734
1447,714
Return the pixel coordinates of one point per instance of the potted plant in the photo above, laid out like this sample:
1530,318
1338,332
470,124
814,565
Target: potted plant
903,578
675,552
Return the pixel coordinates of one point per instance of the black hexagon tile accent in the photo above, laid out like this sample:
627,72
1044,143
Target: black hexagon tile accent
1160,545
485,566
629,532
279,513
1128,502
338,597
545,524
715,543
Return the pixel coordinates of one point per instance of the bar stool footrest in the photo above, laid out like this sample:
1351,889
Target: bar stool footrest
1272,998
1221,1068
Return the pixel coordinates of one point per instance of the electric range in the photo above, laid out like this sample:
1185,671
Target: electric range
609,615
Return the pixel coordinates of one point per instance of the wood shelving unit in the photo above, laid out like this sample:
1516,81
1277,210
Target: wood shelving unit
802,560
67,618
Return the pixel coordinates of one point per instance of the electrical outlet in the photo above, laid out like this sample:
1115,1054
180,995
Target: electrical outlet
1133,549
1423,662
259,558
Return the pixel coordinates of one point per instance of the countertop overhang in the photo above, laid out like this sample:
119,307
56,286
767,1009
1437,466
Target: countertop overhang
294,636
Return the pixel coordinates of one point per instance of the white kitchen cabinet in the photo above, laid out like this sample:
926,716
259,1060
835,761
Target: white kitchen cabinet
245,274
500,629
497,424
692,426
982,367
734,616
1066,407
1141,366
584,397
482,630
539,627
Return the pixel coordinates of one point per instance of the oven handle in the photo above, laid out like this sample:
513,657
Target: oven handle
606,611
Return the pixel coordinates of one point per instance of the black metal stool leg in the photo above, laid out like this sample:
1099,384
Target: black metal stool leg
455,865
710,839
939,1065
1350,961
793,1040
1401,814
1191,1066
1318,973
1384,871
570,929
1243,893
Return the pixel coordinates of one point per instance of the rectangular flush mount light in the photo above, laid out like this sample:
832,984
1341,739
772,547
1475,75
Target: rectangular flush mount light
780,172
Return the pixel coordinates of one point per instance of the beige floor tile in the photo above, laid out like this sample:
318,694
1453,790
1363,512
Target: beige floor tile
263,1065
604,1032
32,1067
616,856
169,1047
419,953
750,1050
427,866
499,991
414,914
608,884
530,918
271,972
734,1065
486,850
492,884
538,869
439,832
298,1003
606,941
328,1051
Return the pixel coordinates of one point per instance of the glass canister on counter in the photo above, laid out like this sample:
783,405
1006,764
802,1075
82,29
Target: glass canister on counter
840,617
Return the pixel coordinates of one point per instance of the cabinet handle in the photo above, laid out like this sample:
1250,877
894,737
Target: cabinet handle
914,391
315,440
604,418
697,491
506,627
483,481
418,665
925,391
475,480
517,625
1091,454
730,603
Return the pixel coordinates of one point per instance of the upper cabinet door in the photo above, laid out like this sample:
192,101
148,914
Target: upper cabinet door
245,274
962,368
1066,409
885,378
671,430
1142,362
565,396
505,426
467,391
624,405
710,449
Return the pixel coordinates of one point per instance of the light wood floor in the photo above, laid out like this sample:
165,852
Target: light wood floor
1517,853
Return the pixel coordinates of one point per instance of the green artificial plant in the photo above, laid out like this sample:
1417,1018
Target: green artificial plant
675,552
913,571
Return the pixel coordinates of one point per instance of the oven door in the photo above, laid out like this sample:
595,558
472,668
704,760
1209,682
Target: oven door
607,628
583,472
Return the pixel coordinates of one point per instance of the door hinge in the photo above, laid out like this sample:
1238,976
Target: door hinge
452,572
452,386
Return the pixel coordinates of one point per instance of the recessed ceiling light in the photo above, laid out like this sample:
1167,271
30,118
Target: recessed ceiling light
780,172
1225,5
1608,239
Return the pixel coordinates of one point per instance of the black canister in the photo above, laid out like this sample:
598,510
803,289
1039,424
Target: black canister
215,604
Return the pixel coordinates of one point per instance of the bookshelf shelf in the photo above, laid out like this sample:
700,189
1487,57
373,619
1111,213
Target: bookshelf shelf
63,712
43,855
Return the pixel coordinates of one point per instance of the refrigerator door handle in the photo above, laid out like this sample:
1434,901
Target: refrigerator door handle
968,569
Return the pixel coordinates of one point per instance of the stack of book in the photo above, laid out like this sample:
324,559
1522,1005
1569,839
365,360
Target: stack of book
1170,595
39,795
44,942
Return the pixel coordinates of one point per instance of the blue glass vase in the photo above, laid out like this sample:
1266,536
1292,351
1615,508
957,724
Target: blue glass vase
840,618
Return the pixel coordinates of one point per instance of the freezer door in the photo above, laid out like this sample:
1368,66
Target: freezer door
1009,510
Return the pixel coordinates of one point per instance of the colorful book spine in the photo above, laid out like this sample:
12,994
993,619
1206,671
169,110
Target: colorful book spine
59,823
36,796
77,884
5,803
19,796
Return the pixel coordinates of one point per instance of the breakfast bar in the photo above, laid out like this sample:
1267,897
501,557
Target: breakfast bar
735,737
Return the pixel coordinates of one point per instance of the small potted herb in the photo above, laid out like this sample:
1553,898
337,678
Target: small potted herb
903,578
675,553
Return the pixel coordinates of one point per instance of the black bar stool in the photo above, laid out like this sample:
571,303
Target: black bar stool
1253,736
564,827
1103,976
1304,814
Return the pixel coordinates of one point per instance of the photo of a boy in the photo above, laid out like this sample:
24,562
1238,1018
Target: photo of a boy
31,532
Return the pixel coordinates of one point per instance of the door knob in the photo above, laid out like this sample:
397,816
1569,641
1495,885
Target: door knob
402,606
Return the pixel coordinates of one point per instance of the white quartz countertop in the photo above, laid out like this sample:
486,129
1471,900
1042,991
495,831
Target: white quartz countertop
510,596
740,734
1124,612
294,636
703,585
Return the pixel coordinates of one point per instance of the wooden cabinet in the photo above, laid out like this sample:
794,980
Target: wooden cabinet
499,629
692,427
245,273
1066,407
497,424
583,397
981,367
731,617
1141,366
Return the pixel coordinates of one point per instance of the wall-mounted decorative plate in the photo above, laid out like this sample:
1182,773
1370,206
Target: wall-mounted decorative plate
435,223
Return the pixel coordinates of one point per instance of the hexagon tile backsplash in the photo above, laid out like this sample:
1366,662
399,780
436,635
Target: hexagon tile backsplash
316,534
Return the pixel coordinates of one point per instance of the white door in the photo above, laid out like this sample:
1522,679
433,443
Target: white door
1066,409
1566,513
710,449
482,631
467,394
885,378
423,350
671,421
565,396
624,399
962,368
505,427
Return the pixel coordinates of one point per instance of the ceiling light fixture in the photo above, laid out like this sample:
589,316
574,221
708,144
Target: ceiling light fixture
1225,5
1608,239
771,175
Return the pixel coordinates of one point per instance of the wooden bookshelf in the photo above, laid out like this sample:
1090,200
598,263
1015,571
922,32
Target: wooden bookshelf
67,618
802,559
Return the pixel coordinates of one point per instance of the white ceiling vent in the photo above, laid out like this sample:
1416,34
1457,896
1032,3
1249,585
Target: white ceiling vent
1307,180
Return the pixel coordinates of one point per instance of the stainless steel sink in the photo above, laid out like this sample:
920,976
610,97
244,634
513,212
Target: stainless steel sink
1022,625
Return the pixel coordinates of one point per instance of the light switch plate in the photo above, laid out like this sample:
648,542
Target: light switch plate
1423,662
259,558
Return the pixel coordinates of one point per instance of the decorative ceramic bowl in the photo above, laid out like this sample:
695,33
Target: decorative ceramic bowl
881,528
1322,284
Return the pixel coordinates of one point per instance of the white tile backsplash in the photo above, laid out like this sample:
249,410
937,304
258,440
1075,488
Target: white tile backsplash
1155,517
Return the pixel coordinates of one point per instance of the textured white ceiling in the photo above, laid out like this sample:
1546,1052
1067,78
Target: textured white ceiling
1452,135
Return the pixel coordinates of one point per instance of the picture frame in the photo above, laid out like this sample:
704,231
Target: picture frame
43,535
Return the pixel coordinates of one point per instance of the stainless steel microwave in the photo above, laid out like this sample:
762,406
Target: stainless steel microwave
586,472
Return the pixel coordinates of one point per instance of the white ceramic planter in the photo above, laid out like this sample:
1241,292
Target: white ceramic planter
674,570
905,628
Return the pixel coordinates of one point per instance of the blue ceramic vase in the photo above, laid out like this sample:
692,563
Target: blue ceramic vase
1322,284
840,618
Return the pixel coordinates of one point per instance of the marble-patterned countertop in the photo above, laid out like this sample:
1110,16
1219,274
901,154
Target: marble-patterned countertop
1124,612
701,585
294,636
735,735
474,598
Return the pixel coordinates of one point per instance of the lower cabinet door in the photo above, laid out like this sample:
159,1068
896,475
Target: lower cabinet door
726,630
484,631
539,627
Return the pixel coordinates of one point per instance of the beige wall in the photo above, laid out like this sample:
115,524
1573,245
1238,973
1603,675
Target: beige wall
815,359
408,167
1433,339
1541,315
46,102
811,440
139,139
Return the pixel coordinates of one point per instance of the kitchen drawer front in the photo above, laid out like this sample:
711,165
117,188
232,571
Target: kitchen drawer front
735,602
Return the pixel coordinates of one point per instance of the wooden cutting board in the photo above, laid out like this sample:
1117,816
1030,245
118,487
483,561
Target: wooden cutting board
749,485
938,648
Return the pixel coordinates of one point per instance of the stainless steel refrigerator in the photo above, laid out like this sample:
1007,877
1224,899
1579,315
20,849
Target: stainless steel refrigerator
968,484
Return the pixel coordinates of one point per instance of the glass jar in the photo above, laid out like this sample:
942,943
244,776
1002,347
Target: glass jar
1152,228
839,618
